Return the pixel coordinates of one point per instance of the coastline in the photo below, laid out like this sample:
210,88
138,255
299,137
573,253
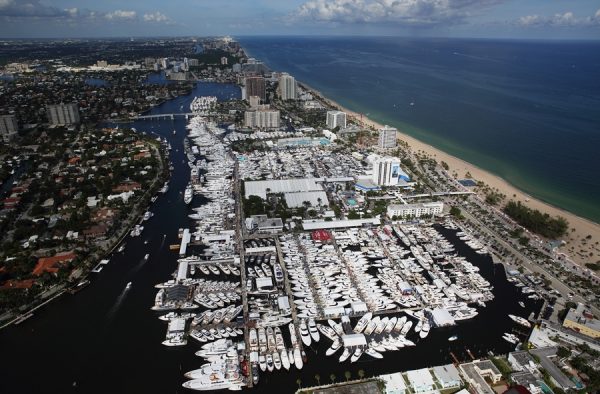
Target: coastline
582,227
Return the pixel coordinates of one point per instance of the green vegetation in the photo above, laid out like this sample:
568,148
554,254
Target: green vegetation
254,205
593,266
563,352
536,221
455,211
445,165
580,364
502,366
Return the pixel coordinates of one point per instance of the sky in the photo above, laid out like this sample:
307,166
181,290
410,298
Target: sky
540,19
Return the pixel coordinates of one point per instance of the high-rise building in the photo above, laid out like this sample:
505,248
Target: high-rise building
387,172
262,119
63,114
255,86
287,87
336,119
254,101
8,127
387,137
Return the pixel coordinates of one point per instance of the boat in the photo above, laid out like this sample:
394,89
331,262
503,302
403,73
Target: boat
452,338
510,338
312,329
424,330
522,304
174,131
262,362
372,325
345,355
520,320
373,353
276,360
304,334
128,286
335,346
121,248
362,323
147,256
270,364
188,194
298,362
356,355
285,360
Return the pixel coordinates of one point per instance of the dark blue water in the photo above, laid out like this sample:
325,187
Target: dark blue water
96,82
528,111
105,339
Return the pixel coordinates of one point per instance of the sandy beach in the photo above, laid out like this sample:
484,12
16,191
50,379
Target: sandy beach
578,247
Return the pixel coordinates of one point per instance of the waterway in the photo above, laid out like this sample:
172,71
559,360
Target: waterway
105,339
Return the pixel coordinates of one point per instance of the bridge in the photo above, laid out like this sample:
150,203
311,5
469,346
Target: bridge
163,116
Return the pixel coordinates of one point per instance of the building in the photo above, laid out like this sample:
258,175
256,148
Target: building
63,114
254,86
288,89
581,320
475,374
447,376
415,210
394,383
420,380
223,61
8,127
264,225
254,102
262,119
522,361
387,137
387,172
336,119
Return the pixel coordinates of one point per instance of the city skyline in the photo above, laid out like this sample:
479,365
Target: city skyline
560,19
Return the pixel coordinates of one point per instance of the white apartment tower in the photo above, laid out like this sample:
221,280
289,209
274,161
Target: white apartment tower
8,127
387,137
335,119
262,119
63,114
287,87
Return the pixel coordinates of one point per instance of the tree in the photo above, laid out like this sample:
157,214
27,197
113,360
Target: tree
318,379
299,382
332,378
361,373
348,375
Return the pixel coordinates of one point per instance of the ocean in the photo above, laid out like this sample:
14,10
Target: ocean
528,111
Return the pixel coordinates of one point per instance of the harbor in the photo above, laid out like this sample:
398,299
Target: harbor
373,292
122,317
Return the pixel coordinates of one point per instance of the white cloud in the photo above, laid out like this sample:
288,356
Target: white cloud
409,12
559,20
156,17
120,14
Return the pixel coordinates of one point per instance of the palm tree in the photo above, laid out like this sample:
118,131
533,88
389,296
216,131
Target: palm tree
348,375
332,378
299,382
361,373
318,379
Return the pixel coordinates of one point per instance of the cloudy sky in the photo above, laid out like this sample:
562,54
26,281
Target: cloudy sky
454,18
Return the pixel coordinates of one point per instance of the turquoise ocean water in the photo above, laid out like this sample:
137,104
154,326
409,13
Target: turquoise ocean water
528,111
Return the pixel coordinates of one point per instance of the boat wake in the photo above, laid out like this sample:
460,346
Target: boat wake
117,305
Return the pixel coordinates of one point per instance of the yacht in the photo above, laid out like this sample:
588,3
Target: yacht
510,338
188,194
362,323
356,355
373,353
345,354
335,346
424,330
520,320
298,358
304,334
128,286
312,329
452,338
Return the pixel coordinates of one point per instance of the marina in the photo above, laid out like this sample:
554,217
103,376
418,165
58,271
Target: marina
262,288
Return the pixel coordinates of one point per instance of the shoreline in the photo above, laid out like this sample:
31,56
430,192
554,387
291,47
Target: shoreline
583,227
